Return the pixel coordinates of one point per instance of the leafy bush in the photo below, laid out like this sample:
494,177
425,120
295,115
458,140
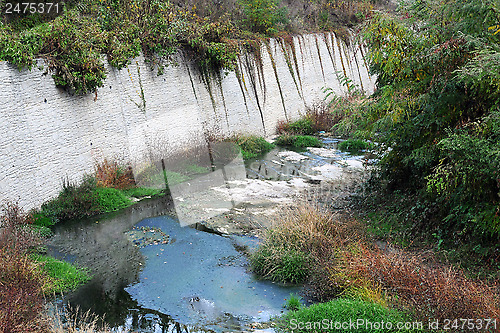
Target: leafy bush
466,179
353,146
422,287
341,310
298,141
434,112
252,146
298,240
81,201
73,202
263,15
301,126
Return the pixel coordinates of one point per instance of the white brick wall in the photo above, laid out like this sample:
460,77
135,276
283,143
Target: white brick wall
47,135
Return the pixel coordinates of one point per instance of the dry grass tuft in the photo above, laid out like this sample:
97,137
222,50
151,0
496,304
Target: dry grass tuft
428,289
298,243
73,321
313,228
340,262
321,117
21,281
16,235
111,174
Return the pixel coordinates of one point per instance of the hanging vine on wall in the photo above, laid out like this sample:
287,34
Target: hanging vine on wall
73,43
142,104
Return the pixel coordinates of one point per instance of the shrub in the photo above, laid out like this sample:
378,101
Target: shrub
354,146
439,116
341,311
22,303
73,202
16,232
301,126
110,174
426,289
81,201
252,146
21,297
298,141
298,240
263,15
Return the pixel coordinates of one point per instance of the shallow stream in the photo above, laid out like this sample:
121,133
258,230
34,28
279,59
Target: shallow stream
153,275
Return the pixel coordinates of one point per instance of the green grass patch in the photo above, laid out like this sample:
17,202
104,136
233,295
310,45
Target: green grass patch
63,276
293,303
175,178
278,263
298,141
141,192
111,199
342,311
253,146
302,126
353,146
194,169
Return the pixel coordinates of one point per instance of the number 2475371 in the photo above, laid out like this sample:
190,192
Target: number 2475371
31,8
